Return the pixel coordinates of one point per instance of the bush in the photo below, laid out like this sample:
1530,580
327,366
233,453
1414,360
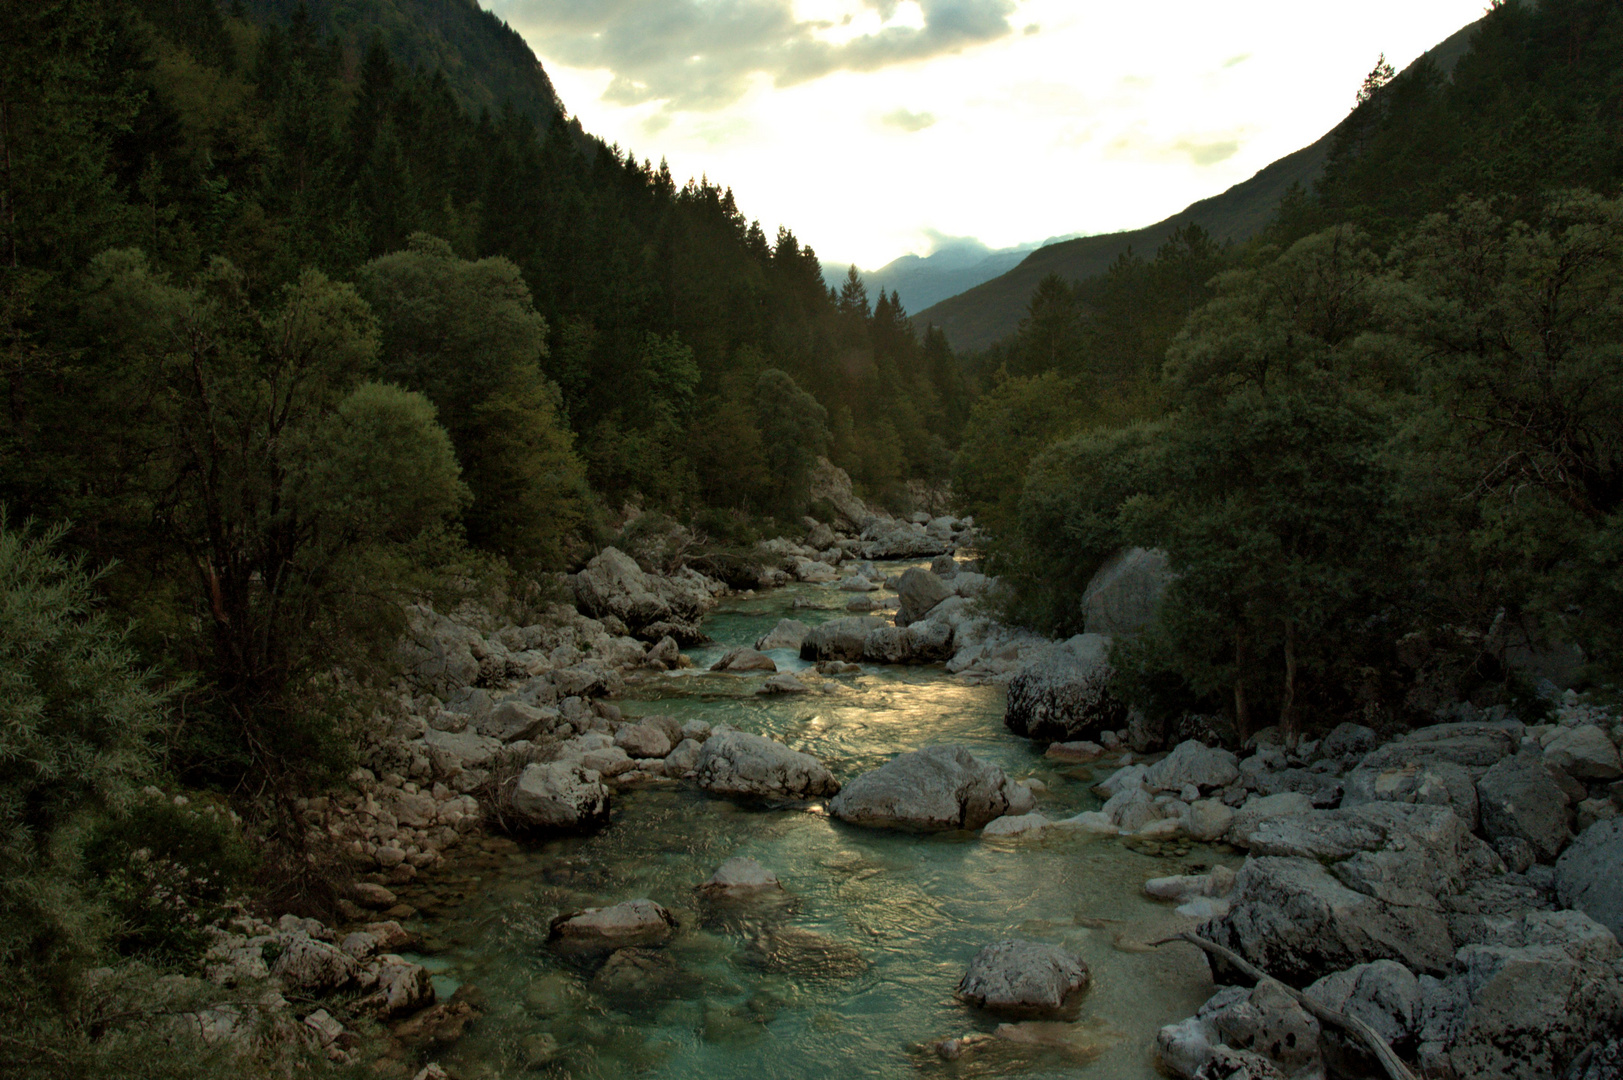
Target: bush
165,871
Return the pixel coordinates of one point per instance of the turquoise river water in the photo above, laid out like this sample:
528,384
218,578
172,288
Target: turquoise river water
852,974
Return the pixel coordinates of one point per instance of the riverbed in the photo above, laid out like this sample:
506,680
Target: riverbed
852,973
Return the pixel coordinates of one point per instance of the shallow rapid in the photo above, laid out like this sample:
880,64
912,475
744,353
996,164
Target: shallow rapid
853,974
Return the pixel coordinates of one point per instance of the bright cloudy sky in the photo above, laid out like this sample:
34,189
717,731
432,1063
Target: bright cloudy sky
871,127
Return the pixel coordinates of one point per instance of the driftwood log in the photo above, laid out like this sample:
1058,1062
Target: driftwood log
1394,1066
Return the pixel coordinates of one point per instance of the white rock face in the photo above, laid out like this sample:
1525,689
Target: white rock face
560,795
613,584
683,759
937,788
1259,809
738,763
1024,978
1065,694
1125,594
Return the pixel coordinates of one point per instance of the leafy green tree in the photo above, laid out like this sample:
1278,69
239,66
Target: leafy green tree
1514,331
1276,506
794,433
467,335
1276,509
1007,428
1070,520
297,493
76,713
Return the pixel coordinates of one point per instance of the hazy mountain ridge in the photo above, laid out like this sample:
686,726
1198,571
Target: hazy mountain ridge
956,265
992,310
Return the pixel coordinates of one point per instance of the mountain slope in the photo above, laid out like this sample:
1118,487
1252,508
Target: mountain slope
486,62
993,310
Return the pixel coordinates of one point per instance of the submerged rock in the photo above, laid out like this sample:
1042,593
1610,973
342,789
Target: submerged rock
743,660
788,634
839,639
936,788
634,922
739,878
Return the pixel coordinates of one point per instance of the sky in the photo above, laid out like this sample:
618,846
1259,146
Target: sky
877,128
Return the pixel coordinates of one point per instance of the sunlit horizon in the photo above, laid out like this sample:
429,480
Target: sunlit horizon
1008,122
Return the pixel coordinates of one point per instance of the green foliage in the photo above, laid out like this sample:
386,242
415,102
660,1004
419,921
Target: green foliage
1007,428
794,433
165,870
289,485
1070,521
467,335
75,715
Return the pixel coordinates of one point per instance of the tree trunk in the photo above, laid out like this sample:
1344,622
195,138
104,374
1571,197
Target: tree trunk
1287,708
1242,707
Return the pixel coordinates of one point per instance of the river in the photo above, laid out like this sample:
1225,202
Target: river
854,971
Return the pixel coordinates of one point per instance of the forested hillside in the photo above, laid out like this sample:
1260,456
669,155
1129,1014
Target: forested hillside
1382,444
487,64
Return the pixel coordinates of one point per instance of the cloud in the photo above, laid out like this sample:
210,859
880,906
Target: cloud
907,121
1208,153
702,55
1203,150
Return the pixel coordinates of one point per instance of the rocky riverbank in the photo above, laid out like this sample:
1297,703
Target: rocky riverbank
1455,887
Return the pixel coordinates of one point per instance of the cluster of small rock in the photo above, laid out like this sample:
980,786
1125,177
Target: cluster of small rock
310,980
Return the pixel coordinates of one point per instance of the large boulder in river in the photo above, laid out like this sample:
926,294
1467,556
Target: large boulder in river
839,639
1589,875
1193,764
739,763
1125,594
1065,694
559,795
919,591
1025,979
933,789
613,584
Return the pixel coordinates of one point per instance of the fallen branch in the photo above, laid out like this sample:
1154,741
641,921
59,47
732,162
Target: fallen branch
1394,1066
